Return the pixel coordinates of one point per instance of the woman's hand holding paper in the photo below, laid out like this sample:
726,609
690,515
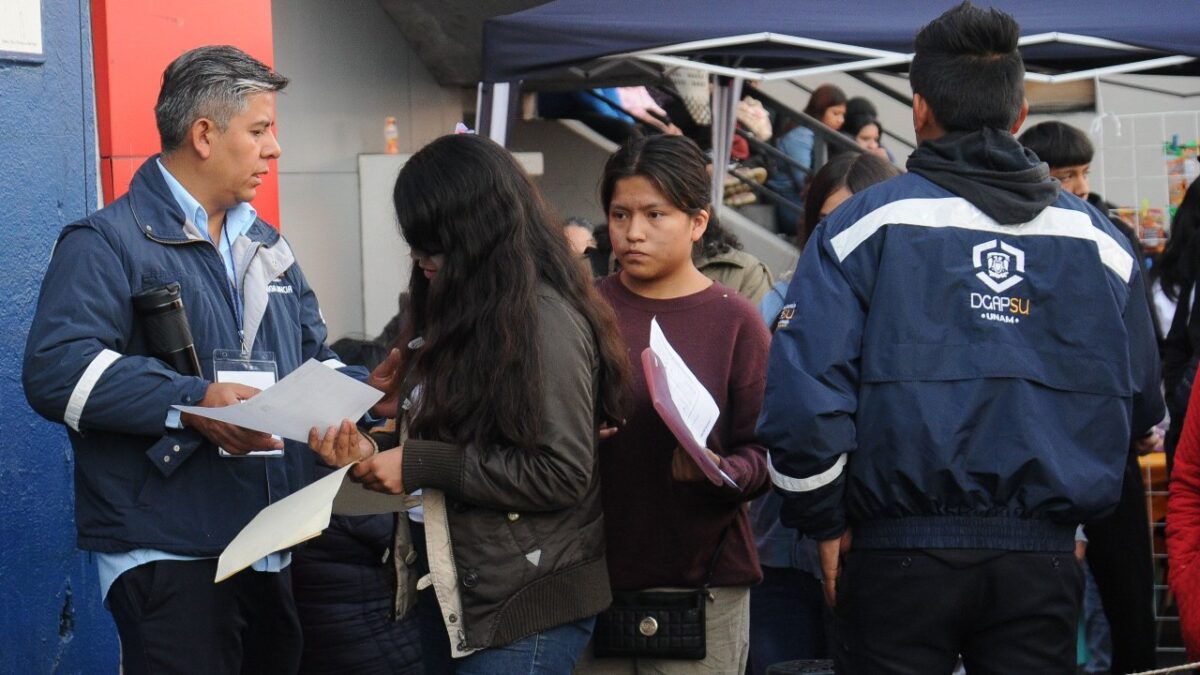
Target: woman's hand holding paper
383,472
341,445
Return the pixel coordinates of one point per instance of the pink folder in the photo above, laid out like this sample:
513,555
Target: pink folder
660,395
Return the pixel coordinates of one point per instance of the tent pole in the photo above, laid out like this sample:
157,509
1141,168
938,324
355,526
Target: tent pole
725,95
492,110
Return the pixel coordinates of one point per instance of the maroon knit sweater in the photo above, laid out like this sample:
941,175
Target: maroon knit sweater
662,532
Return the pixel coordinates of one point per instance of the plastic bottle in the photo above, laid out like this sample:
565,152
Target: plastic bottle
391,136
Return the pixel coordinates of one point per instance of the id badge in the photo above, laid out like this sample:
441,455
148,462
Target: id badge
256,369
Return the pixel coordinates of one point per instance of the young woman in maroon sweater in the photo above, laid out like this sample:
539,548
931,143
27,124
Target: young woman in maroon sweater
663,519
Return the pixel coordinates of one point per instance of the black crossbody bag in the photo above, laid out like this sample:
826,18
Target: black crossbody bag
656,624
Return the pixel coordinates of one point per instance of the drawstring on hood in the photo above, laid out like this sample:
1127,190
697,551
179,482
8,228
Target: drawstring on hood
990,169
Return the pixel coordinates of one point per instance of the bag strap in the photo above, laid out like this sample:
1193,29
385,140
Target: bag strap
712,563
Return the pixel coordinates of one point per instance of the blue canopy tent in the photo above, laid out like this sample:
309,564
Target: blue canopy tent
778,39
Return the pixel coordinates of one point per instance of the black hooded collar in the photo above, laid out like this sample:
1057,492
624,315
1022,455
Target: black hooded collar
990,169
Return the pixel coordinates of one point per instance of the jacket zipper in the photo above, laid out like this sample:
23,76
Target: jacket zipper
258,246
229,299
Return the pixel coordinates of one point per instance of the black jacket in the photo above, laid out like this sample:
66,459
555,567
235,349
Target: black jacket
525,529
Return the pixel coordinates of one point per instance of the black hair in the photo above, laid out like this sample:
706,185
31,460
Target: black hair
212,82
1177,265
717,240
967,68
1058,144
390,337
856,123
465,197
853,124
855,171
675,165
860,106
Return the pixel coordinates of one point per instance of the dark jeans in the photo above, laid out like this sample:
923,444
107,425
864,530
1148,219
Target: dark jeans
787,620
1118,554
914,612
172,618
549,652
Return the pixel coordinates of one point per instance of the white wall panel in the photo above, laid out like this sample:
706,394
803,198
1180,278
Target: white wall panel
350,68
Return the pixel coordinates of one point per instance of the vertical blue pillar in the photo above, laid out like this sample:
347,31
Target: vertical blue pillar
51,617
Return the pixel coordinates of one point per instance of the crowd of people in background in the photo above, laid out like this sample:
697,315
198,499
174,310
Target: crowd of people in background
928,433
763,124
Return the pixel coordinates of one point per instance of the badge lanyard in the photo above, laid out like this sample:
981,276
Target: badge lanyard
258,370
238,306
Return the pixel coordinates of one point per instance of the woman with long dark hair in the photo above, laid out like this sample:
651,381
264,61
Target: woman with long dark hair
827,104
670,530
510,363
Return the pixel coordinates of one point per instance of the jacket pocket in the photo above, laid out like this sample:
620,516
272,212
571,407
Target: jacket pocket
488,557
522,534
155,278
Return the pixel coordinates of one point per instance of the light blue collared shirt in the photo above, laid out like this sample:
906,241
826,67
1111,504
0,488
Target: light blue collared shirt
238,221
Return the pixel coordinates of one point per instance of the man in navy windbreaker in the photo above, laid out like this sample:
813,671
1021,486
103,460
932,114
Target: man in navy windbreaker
963,357
155,500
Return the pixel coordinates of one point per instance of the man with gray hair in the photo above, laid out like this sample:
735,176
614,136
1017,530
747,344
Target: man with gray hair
159,495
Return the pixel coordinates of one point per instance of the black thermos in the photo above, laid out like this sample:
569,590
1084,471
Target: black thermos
168,336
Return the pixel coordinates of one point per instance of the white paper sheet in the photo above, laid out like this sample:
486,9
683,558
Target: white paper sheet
313,395
302,515
298,517
696,406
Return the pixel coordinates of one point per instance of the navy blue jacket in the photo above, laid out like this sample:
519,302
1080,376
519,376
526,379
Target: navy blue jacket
941,380
138,483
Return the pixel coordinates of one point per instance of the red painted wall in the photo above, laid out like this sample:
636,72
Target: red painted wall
133,41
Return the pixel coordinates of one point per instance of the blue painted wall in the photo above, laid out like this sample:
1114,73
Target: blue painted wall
51,619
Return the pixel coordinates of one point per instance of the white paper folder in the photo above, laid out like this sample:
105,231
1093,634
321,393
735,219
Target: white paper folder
303,515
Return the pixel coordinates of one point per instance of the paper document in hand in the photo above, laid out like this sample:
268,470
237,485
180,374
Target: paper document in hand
313,395
302,515
682,402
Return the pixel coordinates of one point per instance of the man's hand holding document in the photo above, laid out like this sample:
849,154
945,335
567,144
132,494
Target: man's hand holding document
682,402
313,395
